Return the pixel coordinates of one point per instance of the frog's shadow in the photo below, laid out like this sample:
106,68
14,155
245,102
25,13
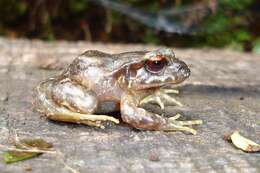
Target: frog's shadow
208,95
246,91
187,90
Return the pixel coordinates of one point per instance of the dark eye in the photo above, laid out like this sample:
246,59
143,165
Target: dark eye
155,64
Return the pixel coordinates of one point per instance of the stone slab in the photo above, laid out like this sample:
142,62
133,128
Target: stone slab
223,91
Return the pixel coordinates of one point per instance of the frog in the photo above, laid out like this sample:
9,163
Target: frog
97,83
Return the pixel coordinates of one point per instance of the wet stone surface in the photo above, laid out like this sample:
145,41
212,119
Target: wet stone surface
223,91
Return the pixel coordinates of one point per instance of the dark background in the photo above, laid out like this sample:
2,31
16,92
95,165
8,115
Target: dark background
181,23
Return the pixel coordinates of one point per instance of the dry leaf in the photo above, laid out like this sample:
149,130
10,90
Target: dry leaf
243,143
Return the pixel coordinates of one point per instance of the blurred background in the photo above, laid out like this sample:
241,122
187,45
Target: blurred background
180,23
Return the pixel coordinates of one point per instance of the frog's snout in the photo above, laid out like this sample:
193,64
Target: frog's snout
184,71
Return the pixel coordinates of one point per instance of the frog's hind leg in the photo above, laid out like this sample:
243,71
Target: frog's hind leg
68,102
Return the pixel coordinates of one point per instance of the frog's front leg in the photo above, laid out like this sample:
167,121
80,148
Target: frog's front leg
143,119
69,102
160,96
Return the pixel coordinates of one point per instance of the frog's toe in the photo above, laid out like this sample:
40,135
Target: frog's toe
152,99
164,94
170,99
188,123
184,123
169,91
177,116
175,125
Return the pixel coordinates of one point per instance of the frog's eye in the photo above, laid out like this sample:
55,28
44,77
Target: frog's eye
155,64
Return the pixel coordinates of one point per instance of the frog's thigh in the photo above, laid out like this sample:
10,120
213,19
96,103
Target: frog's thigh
69,103
74,97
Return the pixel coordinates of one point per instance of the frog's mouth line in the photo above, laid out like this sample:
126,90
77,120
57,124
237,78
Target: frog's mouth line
156,85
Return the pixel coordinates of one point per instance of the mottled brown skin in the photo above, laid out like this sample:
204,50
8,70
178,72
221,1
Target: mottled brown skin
96,83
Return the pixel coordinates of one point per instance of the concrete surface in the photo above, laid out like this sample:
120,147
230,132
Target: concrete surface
223,91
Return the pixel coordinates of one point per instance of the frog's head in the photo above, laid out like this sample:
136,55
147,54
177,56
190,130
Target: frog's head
158,68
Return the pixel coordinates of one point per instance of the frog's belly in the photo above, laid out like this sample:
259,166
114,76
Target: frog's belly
108,106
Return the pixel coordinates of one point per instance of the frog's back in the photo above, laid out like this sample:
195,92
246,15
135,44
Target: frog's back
110,62
94,68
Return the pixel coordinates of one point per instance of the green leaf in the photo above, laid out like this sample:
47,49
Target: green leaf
26,144
15,156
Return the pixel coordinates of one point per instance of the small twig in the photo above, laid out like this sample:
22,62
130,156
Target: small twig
33,150
60,158
68,167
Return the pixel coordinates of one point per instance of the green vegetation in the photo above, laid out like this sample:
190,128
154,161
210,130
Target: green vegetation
230,23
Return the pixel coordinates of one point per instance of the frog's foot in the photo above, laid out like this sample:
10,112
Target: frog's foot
91,120
175,125
140,118
159,95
